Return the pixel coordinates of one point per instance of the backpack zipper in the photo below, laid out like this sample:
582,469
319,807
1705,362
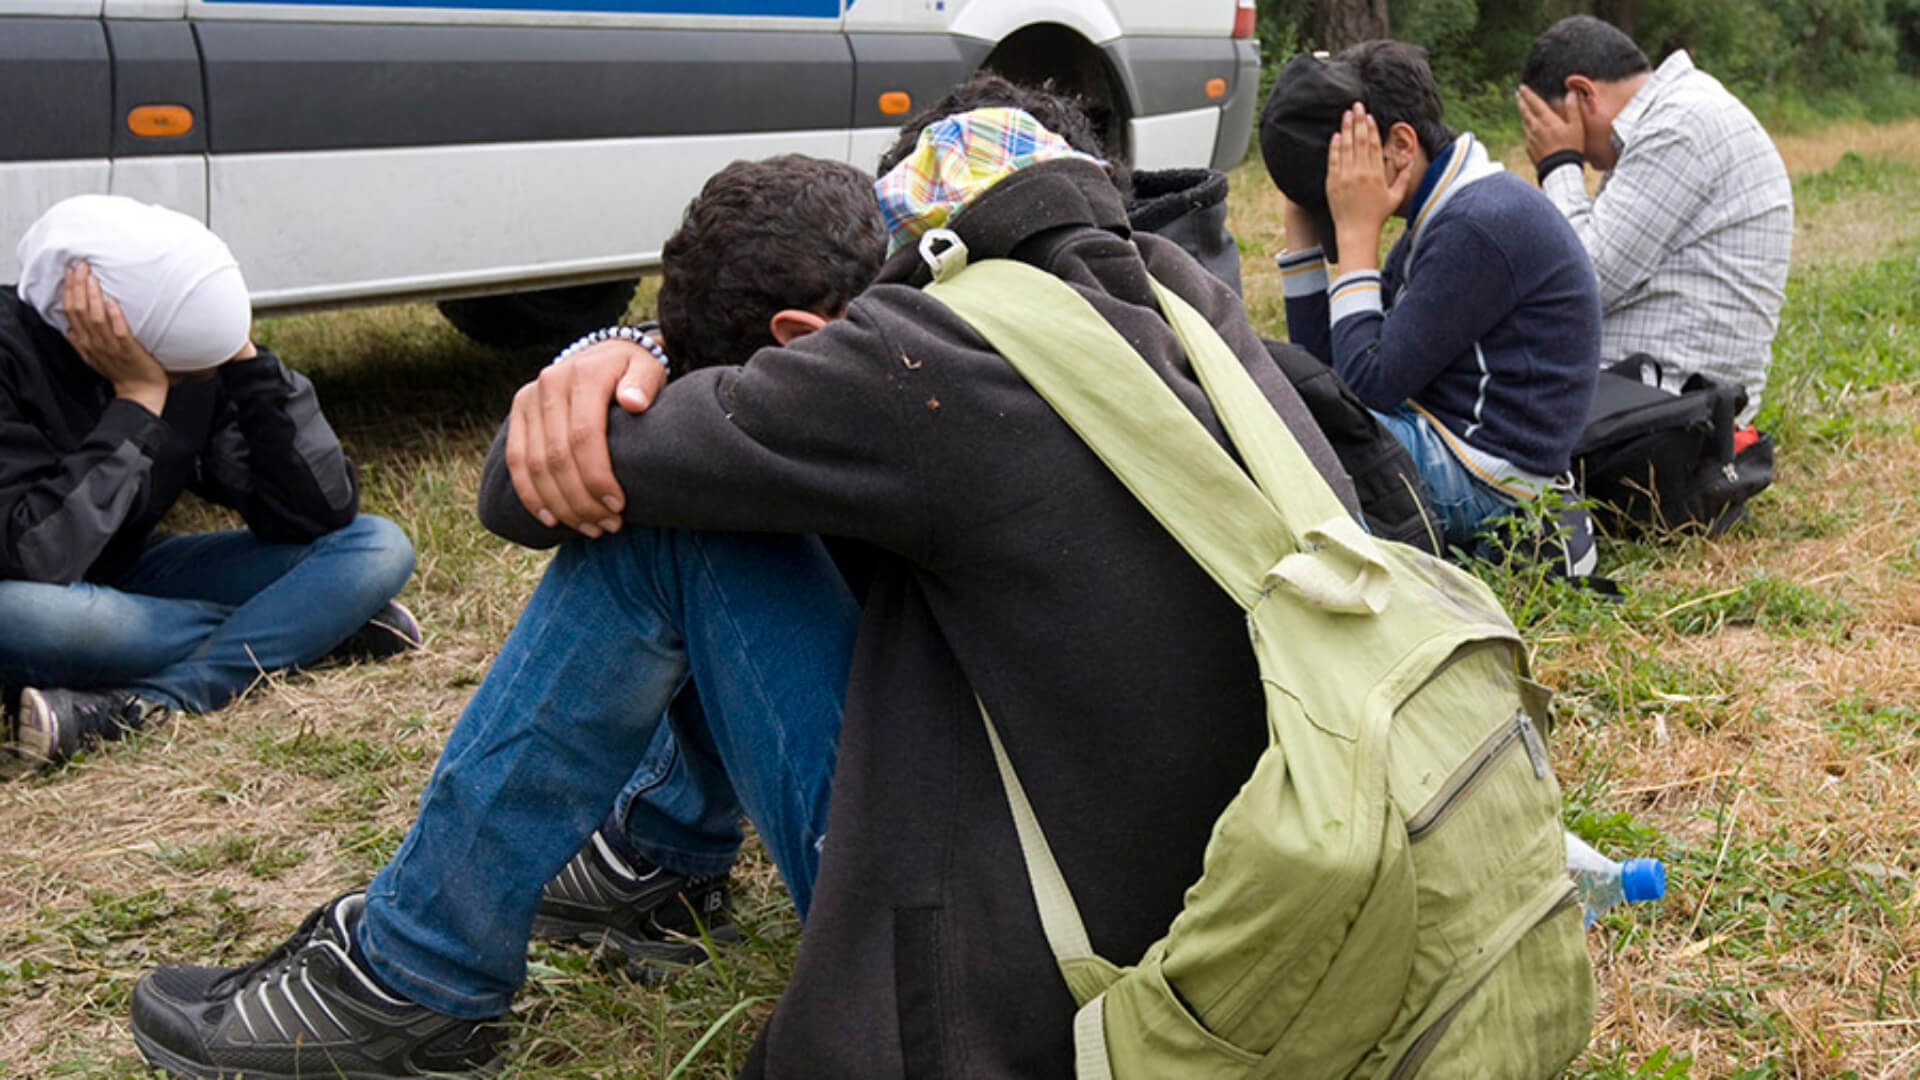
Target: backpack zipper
1519,730
1421,1048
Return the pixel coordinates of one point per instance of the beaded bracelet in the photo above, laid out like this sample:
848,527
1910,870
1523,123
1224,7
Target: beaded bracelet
639,335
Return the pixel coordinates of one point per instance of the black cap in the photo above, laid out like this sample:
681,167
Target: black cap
1310,95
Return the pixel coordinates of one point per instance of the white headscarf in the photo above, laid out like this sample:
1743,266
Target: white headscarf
176,283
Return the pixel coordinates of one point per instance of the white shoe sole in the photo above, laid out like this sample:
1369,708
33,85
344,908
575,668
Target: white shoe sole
37,731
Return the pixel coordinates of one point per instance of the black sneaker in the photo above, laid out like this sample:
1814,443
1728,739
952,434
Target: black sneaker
302,1012
391,631
649,916
51,726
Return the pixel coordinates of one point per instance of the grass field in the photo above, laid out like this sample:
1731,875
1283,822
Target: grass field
1751,713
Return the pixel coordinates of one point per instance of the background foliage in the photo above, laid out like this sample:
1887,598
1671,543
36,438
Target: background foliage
1797,62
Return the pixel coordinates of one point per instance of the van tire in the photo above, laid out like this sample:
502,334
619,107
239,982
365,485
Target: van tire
546,318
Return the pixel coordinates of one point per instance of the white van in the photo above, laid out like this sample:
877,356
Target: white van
358,150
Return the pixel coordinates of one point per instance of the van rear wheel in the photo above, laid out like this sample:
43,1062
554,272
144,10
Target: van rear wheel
546,318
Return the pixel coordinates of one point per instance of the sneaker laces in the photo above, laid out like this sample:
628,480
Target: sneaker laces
242,979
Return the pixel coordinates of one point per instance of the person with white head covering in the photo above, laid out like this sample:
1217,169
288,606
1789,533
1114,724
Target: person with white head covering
127,376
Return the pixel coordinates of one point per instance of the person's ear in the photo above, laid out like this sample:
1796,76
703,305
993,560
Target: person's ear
1582,90
1402,146
790,324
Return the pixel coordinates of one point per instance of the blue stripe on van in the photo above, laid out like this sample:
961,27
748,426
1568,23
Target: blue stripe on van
817,9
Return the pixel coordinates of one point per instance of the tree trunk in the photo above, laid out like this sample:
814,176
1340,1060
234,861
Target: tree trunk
1618,12
1340,23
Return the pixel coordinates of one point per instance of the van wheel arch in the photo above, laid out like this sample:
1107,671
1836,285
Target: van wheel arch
1042,52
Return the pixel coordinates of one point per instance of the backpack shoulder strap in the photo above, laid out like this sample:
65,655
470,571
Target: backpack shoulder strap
1280,526
1098,384
1337,565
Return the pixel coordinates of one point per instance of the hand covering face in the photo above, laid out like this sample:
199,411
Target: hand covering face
176,283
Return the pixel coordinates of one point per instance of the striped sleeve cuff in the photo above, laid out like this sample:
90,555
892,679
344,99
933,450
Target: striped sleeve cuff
1302,273
1357,293
1567,188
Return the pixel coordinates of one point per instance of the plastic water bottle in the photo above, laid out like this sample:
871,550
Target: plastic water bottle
1603,883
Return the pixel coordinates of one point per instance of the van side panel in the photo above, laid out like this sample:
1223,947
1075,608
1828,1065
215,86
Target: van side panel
1176,123
925,66
55,80
155,63
275,86
1236,117
58,89
1207,18
326,227
1170,74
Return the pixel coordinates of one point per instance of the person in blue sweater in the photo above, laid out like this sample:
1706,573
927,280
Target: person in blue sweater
1477,343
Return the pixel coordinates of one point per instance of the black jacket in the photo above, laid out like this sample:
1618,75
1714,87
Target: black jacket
85,476
1016,567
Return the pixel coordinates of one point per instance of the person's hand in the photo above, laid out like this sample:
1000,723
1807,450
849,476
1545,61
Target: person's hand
1360,194
1550,128
1301,231
98,332
557,434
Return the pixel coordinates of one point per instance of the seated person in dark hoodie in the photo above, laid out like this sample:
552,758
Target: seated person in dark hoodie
127,376
1478,343
1007,562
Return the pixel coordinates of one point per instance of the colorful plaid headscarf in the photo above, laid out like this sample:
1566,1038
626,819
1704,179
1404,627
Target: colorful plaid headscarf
957,159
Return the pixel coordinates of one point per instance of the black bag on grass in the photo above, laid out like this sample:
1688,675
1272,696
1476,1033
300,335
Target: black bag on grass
1649,458
1391,496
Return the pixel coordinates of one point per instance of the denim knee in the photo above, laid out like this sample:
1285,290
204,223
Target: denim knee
383,556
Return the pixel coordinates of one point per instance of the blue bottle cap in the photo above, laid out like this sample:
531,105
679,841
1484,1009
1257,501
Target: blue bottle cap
1643,879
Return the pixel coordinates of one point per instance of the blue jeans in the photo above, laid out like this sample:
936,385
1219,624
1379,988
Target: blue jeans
570,709
1465,504
679,809
198,618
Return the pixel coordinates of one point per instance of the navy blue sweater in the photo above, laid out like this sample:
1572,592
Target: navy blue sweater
1486,316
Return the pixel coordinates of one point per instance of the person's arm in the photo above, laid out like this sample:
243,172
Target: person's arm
1463,286
58,511
273,457
1303,284
557,430
809,438
1661,183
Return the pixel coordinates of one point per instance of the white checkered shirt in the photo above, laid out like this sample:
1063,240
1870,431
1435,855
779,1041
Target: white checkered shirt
1691,232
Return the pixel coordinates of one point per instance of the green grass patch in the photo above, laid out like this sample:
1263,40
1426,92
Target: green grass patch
1845,332
258,857
325,756
1851,176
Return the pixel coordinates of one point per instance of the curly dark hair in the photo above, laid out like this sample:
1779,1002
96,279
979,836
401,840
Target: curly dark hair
762,236
1058,111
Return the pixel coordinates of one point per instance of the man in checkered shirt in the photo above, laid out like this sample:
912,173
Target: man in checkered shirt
1692,228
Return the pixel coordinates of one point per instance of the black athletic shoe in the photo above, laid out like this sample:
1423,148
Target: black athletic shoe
392,630
649,916
303,1012
51,726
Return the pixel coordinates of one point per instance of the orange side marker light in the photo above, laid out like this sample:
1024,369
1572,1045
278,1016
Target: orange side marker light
160,121
895,103
1216,88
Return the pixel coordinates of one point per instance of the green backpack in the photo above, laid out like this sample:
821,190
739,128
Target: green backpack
1387,896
